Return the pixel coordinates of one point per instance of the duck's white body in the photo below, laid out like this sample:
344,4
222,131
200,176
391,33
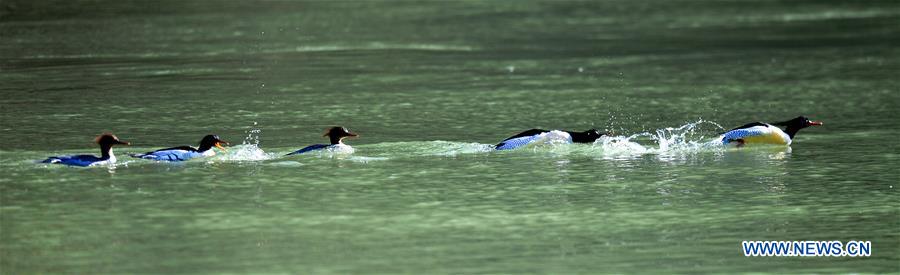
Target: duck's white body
341,148
759,134
110,160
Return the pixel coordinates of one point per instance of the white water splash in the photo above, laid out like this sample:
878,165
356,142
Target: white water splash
688,137
248,150
244,152
252,137
620,145
670,140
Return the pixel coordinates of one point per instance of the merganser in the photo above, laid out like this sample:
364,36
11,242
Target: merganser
183,153
106,142
764,133
538,136
337,135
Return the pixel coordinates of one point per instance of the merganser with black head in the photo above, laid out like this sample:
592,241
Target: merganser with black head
541,136
183,153
764,133
336,134
106,142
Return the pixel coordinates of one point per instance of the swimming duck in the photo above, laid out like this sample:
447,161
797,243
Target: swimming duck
538,136
336,134
764,133
183,153
106,142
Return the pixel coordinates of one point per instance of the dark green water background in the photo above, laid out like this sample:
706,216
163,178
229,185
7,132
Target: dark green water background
429,85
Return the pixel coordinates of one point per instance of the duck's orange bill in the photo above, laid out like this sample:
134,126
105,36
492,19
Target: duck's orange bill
219,145
815,123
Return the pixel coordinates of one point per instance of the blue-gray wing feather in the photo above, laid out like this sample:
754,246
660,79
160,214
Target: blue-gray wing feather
310,148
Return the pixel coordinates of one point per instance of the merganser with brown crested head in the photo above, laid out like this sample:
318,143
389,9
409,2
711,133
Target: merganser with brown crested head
336,134
106,142
182,153
764,133
541,136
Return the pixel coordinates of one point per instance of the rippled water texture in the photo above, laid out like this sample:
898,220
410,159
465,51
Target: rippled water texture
430,87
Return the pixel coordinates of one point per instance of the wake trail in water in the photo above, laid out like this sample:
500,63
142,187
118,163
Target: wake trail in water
691,137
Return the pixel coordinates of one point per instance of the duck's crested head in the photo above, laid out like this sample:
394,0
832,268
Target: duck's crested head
108,139
339,132
212,140
799,122
588,136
